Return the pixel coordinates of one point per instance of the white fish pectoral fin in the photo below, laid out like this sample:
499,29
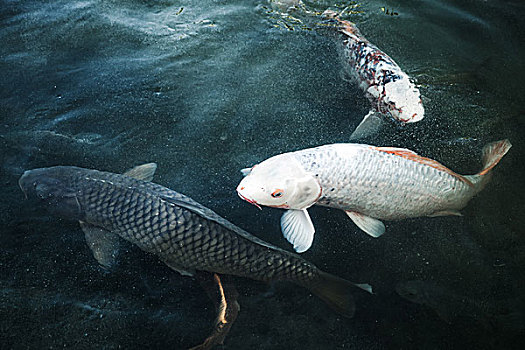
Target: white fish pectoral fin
246,171
298,229
103,244
446,213
371,226
371,124
142,172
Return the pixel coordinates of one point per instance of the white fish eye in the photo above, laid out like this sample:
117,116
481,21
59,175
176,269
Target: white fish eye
277,193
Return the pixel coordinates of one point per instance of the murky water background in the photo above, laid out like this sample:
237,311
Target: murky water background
205,88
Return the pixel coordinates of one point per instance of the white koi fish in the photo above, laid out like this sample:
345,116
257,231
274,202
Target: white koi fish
369,183
387,87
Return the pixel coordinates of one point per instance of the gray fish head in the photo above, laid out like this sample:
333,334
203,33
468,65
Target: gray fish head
52,188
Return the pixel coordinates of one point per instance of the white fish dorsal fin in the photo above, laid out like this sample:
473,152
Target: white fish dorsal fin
246,171
397,151
298,229
371,226
142,172
413,156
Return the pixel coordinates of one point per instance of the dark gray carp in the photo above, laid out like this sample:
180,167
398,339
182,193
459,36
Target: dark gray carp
185,235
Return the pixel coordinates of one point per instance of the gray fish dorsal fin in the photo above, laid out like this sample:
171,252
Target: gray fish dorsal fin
103,244
143,172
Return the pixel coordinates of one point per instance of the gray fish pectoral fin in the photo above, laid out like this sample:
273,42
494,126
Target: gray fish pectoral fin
103,244
371,226
298,229
142,172
371,124
176,267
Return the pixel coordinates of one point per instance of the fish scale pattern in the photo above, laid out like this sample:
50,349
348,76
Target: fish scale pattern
382,185
181,232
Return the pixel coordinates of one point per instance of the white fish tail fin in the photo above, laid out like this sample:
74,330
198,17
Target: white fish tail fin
492,154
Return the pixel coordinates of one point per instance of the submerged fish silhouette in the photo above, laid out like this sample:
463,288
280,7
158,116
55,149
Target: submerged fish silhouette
185,235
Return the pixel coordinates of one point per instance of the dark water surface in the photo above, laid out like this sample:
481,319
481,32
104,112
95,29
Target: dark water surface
205,88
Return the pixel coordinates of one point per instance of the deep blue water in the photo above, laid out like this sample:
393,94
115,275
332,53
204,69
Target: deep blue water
205,88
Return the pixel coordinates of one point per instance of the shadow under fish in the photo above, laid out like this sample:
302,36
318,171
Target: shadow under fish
185,235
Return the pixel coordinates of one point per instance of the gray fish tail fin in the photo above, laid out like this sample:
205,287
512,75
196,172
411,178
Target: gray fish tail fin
336,292
491,155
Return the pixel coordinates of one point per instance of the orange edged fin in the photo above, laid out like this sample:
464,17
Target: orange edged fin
398,151
492,154
413,156
224,296
348,28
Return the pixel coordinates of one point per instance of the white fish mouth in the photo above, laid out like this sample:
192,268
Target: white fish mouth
251,201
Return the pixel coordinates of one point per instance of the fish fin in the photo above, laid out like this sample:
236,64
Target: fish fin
103,244
298,229
246,171
176,267
398,151
371,124
334,291
446,213
371,226
142,172
492,154
346,27
224,296
413,156
364,286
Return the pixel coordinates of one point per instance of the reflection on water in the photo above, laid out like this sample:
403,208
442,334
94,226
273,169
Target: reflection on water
207,88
